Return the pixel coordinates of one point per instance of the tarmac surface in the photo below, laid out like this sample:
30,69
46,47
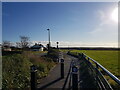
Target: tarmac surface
54,80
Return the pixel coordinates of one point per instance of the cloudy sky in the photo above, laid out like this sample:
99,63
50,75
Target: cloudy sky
70,23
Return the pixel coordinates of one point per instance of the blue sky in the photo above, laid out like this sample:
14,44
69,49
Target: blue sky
72,24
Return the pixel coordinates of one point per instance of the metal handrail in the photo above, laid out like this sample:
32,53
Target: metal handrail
104,69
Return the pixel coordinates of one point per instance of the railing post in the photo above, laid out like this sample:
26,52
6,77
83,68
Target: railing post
97,66
74,78
62,68
33,77
82,55
88,59
96,72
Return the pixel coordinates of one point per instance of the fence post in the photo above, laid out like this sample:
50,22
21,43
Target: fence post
62,68
33,77
74,78
96,72
82,55
97,66
88,59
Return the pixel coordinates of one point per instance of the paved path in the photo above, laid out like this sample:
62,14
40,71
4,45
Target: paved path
53,80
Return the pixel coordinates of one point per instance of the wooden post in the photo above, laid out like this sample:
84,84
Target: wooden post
33,77
62,68
74,78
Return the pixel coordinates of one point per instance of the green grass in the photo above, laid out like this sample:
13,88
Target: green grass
107,58
16,68
16,72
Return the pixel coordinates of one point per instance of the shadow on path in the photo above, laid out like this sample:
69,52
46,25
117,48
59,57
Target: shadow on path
45,86
54,80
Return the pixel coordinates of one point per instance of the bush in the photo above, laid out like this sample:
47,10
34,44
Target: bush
54,54
42,67
16,71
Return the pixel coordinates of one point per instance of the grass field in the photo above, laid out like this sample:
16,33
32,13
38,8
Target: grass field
107,58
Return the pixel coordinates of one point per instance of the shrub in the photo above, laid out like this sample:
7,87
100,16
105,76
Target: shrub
54,54
16,72
42,67
16,69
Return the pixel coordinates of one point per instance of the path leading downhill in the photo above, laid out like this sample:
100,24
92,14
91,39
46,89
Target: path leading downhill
53,80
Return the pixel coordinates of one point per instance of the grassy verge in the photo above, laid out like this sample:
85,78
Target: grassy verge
16,68
16,72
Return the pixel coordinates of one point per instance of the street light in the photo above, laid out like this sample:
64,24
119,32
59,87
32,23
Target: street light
57,44
49,38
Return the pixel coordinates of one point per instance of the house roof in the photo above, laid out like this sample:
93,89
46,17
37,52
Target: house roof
37,46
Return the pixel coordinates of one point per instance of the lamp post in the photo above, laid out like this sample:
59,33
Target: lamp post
57,44
49,38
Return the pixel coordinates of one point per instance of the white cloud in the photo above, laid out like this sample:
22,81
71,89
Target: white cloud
74,44
78,44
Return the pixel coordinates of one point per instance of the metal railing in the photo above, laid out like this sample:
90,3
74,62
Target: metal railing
100,78
104,69
99,72
72,81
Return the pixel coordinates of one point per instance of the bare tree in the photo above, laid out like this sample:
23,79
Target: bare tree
18,45
24,42
6,43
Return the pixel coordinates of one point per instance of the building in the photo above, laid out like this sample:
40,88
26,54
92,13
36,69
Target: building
37,47
6,48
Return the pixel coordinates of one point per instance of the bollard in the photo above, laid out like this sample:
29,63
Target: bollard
74,78
33,77
62,68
